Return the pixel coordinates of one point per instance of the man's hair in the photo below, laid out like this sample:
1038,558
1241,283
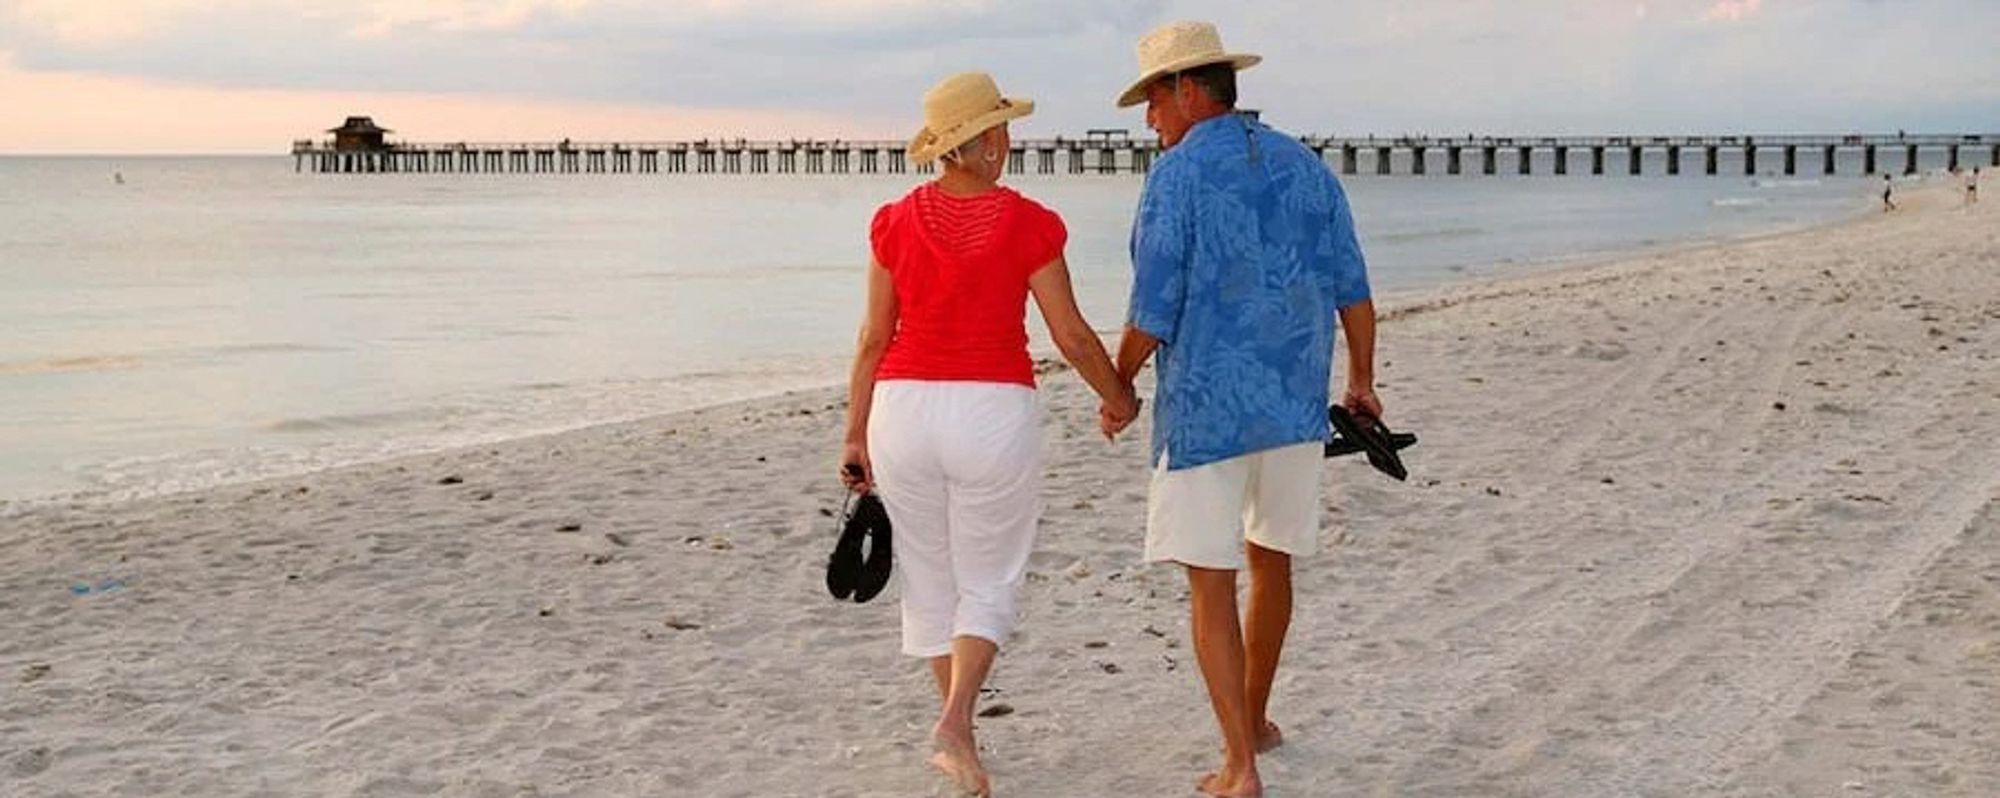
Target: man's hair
1218,81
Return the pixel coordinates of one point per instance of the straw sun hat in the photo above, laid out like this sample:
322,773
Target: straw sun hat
1178,47
959,108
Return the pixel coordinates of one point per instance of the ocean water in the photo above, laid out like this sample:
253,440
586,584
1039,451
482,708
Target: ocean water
173,323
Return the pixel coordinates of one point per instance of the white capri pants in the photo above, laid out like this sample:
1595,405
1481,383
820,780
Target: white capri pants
959,467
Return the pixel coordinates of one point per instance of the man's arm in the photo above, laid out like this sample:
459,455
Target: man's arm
1162,237
1135,347
1357,321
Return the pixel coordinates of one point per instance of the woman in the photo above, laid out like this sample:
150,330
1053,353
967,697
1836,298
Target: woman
942,417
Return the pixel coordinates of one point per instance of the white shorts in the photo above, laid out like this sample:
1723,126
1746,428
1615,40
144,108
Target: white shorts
1200,516
959,467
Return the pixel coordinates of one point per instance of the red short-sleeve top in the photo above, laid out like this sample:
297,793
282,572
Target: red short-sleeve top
961,266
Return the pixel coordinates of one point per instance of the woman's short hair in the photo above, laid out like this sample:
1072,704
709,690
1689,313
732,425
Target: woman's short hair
972,150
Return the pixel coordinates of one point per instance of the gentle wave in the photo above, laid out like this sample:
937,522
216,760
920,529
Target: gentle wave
69,365
266,349
1740,202
539,408
739,273
1429,235
356,421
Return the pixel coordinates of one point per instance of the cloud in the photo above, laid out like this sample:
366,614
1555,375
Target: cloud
854,56
1731,10
386,17
1338,66
97,114
98,23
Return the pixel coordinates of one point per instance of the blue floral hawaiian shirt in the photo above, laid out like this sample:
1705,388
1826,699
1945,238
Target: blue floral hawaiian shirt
1242,254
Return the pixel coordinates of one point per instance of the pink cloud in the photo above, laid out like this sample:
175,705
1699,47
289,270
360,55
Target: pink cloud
387,16
72,113
1731,10
94,23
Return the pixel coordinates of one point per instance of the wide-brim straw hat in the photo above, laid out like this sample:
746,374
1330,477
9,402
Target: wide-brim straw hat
959,108
1178,47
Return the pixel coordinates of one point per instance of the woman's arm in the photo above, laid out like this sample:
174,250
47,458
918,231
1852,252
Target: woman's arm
878,327
1076,340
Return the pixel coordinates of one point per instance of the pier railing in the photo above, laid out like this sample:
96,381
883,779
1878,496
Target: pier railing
1109,153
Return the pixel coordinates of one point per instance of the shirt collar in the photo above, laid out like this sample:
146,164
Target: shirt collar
1214,126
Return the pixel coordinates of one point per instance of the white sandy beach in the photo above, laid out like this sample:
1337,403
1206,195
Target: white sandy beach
1717,521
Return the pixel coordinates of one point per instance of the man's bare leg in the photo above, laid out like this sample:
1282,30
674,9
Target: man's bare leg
957,753
1218,646
1266,621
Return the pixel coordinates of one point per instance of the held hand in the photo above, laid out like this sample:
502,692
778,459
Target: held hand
1117,413
1362,402
856,472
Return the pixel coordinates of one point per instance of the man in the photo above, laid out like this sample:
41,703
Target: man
1243,254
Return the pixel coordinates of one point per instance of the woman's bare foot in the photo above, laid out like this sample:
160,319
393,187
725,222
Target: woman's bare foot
1269,737
1232,784
958,758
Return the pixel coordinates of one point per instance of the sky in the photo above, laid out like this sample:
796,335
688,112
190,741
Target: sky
251,76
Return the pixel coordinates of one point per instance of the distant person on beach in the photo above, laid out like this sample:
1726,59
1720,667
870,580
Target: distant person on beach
1888,194
1243,254
942,416
1972,187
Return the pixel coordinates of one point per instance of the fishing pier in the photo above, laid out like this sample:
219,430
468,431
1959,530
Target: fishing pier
359,147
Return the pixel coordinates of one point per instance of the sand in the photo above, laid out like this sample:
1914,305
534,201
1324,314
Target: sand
1723,520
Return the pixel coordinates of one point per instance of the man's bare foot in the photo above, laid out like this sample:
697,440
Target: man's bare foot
1269,737
958,758
1232,784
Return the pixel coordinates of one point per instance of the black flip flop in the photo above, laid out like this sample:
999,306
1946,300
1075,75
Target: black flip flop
1372,436
880,565
843,566
1339,445
848,572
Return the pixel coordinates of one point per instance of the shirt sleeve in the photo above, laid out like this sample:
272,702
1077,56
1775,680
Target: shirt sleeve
878,236
1050,235
1162,251
1350,269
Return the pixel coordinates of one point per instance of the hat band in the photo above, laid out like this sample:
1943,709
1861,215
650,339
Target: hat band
956,126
